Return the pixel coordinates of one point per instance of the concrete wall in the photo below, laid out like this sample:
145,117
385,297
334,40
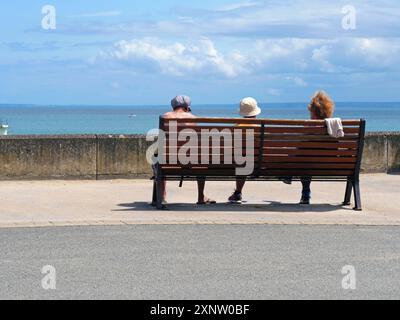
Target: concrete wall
35,157
124,156
73,157
381,152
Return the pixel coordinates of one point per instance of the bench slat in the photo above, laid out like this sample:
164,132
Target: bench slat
264,172
279,154
309,159
277,129
308,166
293,137
349,122
274,159
308,152
264,166
314,145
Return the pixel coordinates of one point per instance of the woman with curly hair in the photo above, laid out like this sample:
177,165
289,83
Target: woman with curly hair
321,107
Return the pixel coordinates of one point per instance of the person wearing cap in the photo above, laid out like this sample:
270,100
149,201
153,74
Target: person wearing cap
181,108
248,109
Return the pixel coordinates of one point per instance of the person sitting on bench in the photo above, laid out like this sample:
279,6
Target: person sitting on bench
320,107
181,109
248,109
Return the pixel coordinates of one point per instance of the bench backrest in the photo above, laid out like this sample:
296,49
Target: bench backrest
280,147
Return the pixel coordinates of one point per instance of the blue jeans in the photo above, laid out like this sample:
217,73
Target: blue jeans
306,182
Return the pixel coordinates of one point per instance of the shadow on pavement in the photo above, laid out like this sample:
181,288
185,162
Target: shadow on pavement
268,206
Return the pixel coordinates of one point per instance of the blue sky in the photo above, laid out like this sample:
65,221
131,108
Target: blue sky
145,52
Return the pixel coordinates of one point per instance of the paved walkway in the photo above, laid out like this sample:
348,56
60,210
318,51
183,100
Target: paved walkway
201,262
116,202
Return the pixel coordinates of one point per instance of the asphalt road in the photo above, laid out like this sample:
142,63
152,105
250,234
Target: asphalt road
200,262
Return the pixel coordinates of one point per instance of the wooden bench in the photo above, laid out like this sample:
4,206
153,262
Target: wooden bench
281,149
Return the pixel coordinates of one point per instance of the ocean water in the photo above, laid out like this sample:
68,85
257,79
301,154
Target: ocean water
27,119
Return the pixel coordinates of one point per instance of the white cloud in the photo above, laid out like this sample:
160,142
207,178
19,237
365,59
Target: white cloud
186,58
239,5
316,19
274,92
320,56
97,14
375,51
177,58
291,18
298,81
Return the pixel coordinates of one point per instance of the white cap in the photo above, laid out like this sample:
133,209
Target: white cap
249,107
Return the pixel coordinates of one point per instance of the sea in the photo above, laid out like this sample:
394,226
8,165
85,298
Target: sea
76,119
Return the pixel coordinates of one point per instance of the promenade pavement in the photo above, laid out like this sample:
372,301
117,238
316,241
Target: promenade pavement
120,202
201,262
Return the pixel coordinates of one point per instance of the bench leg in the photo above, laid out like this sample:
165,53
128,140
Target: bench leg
347,196
159,194
154,197
357,195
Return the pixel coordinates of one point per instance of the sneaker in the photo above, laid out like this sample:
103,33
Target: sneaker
154,204
236,197
287,180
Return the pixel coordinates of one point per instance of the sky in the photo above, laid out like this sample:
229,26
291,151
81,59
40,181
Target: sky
145,52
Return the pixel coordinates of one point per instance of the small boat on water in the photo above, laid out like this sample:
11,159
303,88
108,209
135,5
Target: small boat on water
3,129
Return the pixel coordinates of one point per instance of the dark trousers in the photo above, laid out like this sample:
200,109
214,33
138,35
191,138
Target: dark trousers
306,182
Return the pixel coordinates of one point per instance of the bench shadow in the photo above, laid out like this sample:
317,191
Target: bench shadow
267,206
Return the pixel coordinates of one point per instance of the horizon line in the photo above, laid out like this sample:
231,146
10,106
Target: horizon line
160,104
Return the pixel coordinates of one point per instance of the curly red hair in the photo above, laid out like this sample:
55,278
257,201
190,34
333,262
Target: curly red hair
321,105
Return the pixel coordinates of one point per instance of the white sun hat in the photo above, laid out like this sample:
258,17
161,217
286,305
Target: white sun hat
249,107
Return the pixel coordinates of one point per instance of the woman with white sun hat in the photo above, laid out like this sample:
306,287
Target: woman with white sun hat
248,109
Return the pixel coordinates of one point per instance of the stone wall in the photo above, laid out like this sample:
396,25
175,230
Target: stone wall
35,157
381,152
124,156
